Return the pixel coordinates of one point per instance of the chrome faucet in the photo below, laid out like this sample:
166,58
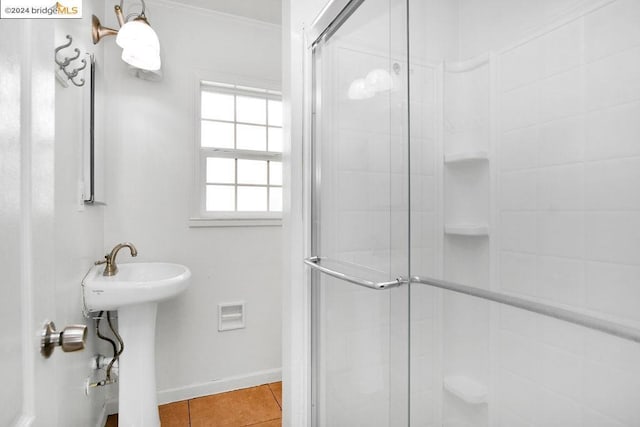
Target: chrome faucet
110,259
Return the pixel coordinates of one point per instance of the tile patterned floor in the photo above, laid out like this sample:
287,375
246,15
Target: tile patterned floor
255,406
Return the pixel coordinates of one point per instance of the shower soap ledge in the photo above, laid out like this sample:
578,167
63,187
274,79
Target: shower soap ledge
466,389
466,157
467,229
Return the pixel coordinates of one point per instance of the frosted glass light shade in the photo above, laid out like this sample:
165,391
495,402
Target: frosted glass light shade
137,31
140,45
141,57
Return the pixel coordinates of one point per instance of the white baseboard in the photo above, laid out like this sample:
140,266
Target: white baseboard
219,386
202,389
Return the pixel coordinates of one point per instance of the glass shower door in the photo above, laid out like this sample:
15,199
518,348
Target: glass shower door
475,214
360,218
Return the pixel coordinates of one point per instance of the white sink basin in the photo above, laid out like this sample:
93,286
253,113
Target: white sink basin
135,292
135,283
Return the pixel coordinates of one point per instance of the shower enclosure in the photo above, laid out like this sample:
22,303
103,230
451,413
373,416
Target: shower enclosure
475,213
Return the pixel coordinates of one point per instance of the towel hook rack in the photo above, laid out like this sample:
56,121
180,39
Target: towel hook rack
69,72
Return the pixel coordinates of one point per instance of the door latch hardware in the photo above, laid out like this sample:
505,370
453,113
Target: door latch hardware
71,338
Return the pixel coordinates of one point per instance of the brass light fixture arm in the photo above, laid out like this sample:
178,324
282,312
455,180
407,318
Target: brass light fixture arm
133,14
98,31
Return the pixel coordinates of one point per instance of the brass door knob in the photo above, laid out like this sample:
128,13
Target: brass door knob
71,338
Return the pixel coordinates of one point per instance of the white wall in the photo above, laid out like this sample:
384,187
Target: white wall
150,146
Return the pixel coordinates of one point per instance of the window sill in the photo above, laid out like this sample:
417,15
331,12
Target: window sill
234,222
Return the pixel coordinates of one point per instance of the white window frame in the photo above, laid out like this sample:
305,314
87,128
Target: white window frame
200,216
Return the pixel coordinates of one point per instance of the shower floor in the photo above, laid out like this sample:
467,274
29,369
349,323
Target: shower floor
259,406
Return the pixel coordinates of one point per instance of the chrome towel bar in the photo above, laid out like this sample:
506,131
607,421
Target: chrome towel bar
586,320
575,317
314,262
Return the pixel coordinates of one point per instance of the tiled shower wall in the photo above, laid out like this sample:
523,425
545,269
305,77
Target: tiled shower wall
564,163
425,242
567,218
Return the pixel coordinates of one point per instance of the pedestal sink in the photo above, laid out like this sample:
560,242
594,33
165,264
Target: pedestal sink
135,292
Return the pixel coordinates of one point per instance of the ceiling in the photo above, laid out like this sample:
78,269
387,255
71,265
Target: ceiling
261,10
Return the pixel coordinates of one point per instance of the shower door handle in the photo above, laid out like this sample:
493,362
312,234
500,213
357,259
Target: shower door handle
314,263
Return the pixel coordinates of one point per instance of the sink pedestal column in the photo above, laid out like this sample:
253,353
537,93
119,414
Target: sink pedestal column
137,402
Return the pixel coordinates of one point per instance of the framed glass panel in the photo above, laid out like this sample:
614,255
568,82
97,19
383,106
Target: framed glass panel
221,170
220,198
252,199
275,113
236,123
275,173
275,139
275,199
252,172
217,106
216,134
250,137
251,110
359,217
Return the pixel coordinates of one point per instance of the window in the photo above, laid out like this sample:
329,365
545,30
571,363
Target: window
240,149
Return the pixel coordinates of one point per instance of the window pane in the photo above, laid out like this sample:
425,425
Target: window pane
275,139
216,134
252,199
217,106
252,172
275,199
221,171
275,113
251,138
220,198
251,110
275,173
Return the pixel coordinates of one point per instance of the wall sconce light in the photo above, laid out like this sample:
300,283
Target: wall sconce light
139,43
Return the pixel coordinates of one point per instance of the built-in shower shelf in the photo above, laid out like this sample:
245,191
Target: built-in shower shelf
470,156
466,389
467,65
467,229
